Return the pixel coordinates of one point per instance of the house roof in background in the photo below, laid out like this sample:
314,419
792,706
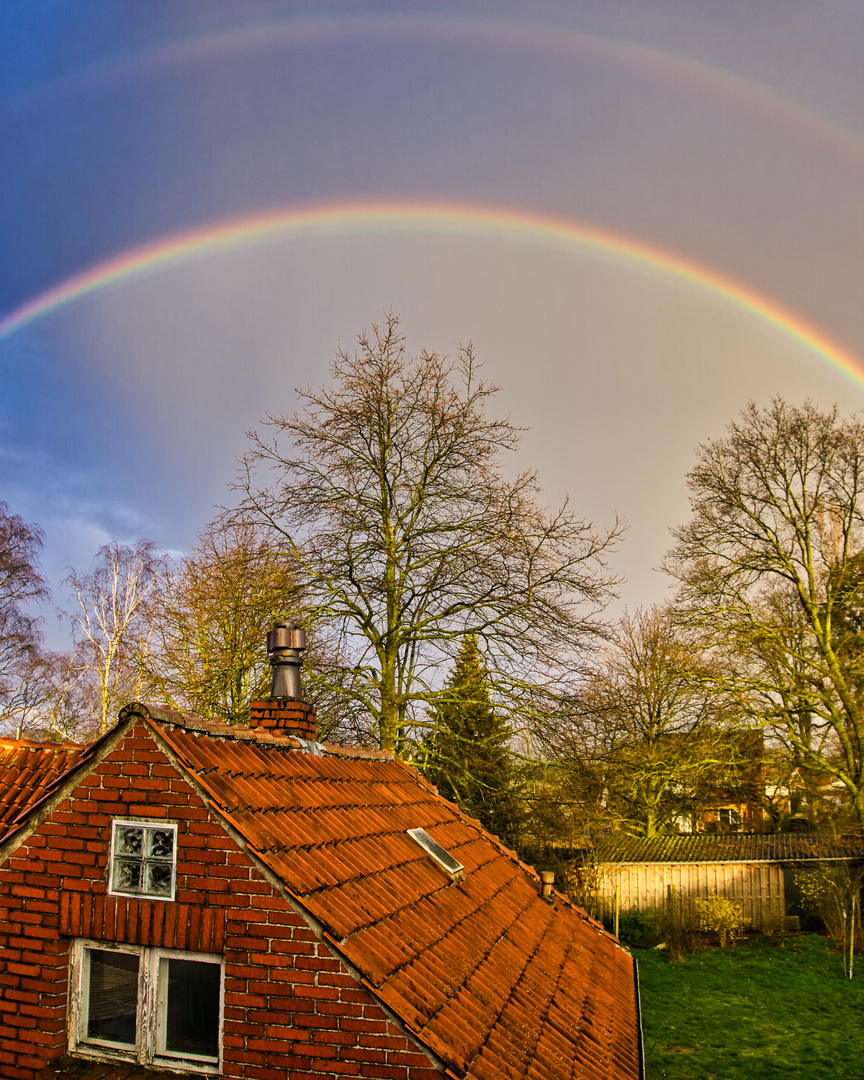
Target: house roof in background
491,977
729,847
27,770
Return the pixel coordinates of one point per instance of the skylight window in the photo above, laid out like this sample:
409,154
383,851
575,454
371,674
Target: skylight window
444,859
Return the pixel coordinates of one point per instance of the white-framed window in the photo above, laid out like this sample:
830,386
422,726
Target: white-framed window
143,859
148,1005
728,815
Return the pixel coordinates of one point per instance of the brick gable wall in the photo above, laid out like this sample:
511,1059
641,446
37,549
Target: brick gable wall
292,1008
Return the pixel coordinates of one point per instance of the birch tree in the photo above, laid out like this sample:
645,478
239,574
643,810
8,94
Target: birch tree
388,491
110,605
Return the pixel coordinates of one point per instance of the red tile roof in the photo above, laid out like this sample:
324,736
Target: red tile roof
732,847
26,771
492,978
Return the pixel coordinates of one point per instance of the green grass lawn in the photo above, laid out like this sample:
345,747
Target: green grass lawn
765,1008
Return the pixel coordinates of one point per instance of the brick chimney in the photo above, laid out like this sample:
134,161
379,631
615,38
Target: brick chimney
284,710
287,717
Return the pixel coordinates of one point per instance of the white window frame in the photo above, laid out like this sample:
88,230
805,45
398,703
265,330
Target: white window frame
143,823
150,1032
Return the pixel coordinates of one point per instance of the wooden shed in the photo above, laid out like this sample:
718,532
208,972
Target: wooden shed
755,869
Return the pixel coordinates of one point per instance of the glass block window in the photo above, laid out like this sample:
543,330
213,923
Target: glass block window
143,859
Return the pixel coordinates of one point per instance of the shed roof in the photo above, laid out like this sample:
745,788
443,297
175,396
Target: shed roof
27,769
492,978
729,847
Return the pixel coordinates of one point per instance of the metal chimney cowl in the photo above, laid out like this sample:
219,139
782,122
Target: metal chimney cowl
285,712
285,644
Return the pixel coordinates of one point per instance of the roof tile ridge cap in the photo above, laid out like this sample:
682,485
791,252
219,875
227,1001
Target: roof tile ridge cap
365,753
152,712
164,720
208,727
272,739
198,777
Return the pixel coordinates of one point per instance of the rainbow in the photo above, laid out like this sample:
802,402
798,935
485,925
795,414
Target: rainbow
378,217
515,34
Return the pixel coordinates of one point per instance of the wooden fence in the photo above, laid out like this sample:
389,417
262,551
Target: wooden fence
758,887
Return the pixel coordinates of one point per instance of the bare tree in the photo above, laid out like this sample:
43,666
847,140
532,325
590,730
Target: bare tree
48,698
24,696
21,584
390,497
770,564
110,605
647,736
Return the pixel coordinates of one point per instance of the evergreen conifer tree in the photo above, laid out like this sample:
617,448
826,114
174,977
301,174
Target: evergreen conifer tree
467,755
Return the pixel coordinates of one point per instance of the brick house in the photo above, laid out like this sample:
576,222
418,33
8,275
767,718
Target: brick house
182,897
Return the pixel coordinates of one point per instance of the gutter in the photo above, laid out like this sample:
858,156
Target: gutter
641,1046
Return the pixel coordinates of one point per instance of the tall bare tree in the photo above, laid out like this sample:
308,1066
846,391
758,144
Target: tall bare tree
389,493
21,584
647,737
770,563
110,605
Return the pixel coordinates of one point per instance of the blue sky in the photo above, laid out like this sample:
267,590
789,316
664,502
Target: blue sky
730,135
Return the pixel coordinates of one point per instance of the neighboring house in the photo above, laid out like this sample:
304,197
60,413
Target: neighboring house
27,768
756,869
194,898
733,794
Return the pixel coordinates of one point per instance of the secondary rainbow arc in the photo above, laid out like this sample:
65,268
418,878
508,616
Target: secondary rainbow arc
458,219
515,33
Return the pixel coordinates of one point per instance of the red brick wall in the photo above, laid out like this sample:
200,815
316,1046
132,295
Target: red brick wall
291,1008
289,717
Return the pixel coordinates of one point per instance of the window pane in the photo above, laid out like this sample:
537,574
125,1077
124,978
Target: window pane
161,843
158,879
130,840
143,862
192,1013
113,1006
127,876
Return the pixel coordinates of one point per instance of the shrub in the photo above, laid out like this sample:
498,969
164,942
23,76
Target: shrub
643,927
721,916
678,928
832,892
772,918
582,880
